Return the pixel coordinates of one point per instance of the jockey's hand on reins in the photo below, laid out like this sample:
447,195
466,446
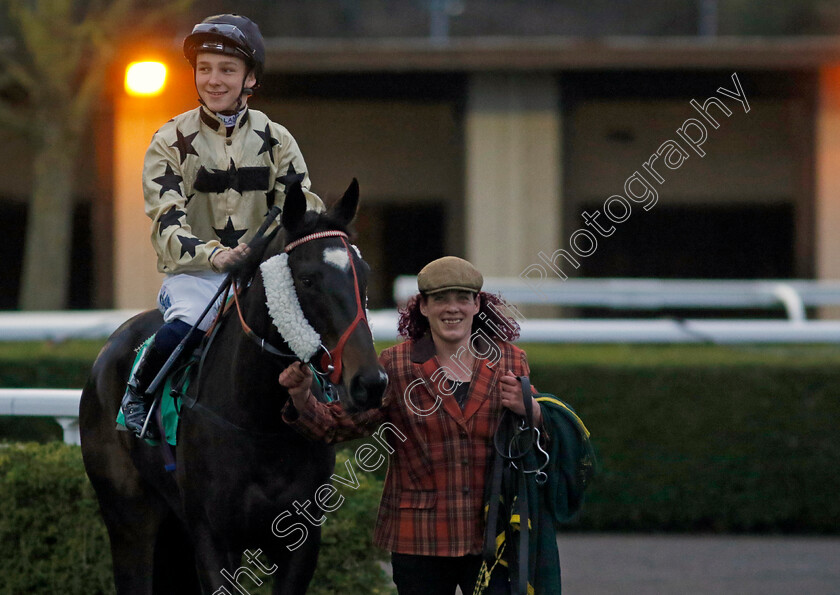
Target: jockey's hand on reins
223,260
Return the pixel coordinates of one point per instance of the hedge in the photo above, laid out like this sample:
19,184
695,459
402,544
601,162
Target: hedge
747,449
689,438
52,539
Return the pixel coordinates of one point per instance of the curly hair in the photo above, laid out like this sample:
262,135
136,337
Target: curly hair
491,319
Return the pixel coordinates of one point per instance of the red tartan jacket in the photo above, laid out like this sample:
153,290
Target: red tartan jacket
434,490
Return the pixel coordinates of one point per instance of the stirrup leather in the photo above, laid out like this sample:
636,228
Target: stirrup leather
135,404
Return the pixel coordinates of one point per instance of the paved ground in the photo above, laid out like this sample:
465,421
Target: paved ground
695,565
605,564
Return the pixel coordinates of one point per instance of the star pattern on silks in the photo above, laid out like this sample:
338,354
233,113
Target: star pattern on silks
229,236
188,244
184,144
169,181
291,177
170,218
269,142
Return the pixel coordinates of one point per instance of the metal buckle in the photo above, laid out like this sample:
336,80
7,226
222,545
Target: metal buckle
330,366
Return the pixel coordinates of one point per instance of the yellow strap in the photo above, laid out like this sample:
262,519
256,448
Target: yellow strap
514,522
566,407
483,580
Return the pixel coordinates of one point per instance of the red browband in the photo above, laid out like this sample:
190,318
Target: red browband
315,236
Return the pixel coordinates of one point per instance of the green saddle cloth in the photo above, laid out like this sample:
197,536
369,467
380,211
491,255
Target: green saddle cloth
170,402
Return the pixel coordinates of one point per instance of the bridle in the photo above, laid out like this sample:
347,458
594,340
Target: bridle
331,360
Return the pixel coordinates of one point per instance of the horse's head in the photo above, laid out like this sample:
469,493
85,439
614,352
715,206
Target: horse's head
316,290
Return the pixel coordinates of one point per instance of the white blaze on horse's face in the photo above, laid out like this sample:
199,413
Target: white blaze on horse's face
338,258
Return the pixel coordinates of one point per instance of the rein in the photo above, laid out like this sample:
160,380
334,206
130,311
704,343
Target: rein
523,443
331,370
249,332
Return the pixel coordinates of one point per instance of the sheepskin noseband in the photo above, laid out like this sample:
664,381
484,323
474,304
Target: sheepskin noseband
284,308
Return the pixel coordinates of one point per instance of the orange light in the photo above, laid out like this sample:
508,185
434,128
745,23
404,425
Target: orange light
143,79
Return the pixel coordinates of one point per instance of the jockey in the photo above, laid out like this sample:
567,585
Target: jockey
209,177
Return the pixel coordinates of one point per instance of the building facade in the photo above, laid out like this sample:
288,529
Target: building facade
532,157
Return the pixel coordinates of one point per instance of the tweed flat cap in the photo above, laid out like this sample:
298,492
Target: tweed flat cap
449,272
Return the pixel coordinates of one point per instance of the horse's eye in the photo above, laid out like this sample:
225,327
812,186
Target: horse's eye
306,281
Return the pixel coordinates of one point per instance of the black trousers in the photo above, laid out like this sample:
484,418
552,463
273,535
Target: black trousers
434,575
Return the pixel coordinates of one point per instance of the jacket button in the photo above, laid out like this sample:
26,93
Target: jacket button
228,142
465,461
466,491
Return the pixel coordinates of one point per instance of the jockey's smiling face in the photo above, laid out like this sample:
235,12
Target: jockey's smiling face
220,79
450,315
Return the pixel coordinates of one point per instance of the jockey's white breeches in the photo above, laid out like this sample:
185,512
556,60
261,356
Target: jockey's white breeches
185,295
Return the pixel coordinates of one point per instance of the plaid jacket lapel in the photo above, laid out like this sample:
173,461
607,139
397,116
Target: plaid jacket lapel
432,368
484,378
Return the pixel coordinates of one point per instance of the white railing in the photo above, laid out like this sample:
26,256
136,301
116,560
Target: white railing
59,403
63,404
655,294
61,325
647,294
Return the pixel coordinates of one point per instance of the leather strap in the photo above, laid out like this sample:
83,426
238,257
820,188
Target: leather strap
527,401
522,498
263,345
524,541
492,529
336,354
507,431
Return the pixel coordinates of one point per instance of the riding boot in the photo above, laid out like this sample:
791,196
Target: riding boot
135,403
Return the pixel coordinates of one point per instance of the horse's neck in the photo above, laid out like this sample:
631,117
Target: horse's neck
241,378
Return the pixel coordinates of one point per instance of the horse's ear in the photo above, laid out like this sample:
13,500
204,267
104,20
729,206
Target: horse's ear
345,209
294,208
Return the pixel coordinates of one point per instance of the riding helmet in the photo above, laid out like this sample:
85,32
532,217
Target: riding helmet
229,34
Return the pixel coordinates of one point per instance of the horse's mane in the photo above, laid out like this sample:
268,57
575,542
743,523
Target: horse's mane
313,222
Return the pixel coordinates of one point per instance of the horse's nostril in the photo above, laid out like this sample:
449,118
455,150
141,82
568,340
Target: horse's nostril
367,389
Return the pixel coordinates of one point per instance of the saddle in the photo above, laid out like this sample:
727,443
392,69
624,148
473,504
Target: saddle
169,395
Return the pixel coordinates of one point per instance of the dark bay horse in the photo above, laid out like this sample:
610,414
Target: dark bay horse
238,464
